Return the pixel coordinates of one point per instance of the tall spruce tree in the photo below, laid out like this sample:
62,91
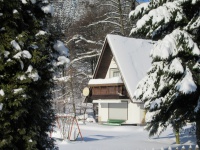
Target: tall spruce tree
26,56
171,89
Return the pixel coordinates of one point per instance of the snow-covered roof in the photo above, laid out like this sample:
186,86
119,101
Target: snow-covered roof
132,57
114,80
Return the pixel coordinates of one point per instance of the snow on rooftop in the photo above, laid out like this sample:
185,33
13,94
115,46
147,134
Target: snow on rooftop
132,57
114,80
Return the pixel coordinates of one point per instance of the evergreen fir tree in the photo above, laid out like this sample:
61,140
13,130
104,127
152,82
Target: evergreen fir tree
171,90
26,71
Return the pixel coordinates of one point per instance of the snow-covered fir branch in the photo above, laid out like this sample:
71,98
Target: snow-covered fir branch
171,87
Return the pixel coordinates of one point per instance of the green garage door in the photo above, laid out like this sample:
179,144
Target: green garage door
118,111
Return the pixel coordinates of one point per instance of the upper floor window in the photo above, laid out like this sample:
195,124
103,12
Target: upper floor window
114,72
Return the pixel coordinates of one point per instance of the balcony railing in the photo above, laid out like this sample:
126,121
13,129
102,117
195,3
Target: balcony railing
109,92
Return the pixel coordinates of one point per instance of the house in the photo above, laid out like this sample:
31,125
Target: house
122,64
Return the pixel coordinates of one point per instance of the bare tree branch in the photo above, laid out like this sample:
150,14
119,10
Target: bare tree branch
83,57
109,13
87,53
81,38
99,22
110,5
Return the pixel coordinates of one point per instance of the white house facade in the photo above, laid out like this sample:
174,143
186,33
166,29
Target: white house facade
122,64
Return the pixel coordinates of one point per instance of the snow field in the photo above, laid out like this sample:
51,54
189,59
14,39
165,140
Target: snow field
102,137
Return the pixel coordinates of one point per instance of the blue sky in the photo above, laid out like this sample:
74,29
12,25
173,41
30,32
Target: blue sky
143,0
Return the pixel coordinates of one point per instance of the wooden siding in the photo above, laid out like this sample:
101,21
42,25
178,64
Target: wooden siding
109,92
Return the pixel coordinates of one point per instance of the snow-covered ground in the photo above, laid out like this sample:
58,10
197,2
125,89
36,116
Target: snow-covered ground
102,137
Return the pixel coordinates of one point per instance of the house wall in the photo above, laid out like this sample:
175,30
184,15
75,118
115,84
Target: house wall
103,112
136,113
112,65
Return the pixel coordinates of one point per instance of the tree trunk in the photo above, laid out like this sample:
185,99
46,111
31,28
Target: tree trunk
72,91
176,131
198,132
133,5
121,17
177,137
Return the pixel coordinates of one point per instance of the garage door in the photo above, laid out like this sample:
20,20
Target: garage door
118,111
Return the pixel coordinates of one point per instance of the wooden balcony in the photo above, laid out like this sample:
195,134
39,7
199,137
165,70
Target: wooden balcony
109,92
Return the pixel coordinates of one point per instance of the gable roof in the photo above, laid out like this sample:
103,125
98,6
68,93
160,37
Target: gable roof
132,57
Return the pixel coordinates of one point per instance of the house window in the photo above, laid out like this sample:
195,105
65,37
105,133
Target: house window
114,72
